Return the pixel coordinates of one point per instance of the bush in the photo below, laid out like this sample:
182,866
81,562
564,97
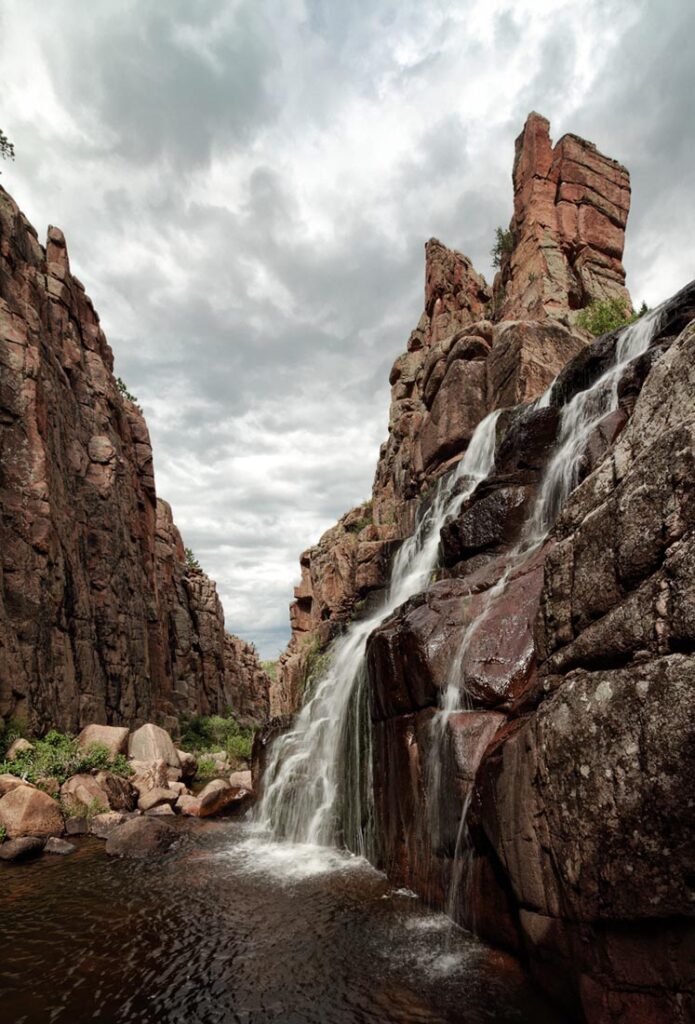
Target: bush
3,833
601,317
58,756
504,243
208,733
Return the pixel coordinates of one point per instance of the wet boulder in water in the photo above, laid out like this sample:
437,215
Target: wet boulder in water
152,798
490,520
59,846
141,838
22,848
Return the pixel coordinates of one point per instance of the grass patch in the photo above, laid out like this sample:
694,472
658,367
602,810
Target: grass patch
205,734
58,756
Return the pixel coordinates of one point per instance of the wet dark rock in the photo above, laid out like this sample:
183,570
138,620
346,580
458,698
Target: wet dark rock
22,848
141,838
59,846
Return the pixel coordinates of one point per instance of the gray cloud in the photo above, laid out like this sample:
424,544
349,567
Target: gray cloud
246,188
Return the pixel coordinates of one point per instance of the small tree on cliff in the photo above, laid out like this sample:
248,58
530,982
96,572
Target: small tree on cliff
192,563
6,147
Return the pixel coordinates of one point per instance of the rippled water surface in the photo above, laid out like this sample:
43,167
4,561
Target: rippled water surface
232,928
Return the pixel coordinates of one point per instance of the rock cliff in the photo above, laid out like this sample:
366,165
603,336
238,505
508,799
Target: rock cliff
552,813
100,618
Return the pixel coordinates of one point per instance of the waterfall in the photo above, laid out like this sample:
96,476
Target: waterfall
579,418
317,784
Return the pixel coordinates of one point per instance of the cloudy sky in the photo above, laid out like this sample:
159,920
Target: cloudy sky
246,187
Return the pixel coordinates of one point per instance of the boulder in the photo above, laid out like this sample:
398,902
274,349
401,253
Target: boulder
154,797
83,793
10,782
114,738
189,805
141,838
21,849
77,826
217,795
241,780
26,811
19,746
189,764
102,825
152,743
59,846
120,794
149,775
160,811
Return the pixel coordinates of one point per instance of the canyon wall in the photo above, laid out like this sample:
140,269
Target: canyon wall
554,816
101,620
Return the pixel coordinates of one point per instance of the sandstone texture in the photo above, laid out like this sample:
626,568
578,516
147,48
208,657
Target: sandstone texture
26,811
571,205
101,620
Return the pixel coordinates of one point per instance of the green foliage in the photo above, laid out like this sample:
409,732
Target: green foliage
504,243
271,669
366,519
208,733
601,317
58,756
207,768
3,833
75,809
123,389
10,731
192,563
316,662
6,147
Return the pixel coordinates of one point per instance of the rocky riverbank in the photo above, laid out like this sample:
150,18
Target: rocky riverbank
143,781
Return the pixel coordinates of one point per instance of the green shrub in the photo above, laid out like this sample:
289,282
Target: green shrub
601,317
205,734
3,833
59,756
123,390
504,243
10,731
207,767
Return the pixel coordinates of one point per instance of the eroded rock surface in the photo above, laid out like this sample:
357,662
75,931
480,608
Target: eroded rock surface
100,618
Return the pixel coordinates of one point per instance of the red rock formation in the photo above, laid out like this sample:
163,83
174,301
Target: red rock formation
568,230
458,366
100,621
578,676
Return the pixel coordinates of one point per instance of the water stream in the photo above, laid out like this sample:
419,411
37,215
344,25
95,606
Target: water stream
579,418
317,785
233,929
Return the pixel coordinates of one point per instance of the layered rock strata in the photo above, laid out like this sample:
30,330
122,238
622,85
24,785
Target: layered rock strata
567,235
100,619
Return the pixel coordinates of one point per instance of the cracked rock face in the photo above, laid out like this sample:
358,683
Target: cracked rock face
100,619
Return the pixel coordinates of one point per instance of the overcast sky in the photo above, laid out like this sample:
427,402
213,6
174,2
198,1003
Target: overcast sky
246,188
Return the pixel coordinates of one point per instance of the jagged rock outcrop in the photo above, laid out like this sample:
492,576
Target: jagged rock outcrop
100,619
571,205
552,811
574,758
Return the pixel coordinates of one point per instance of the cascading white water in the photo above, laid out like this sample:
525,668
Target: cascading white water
579,418
317,785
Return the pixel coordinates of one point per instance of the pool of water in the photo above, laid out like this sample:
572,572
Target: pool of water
233,928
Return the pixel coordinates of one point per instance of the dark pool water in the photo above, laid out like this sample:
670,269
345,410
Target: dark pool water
234,929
